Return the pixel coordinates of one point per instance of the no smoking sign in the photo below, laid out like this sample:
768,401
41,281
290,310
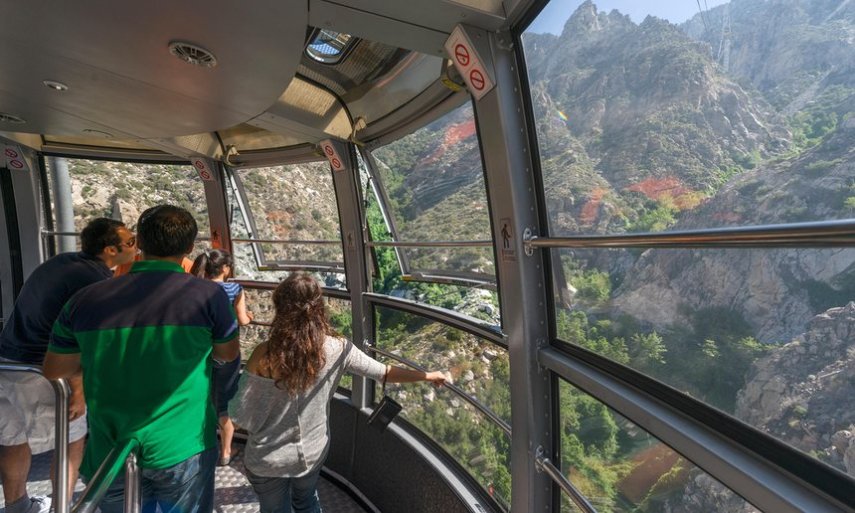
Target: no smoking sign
15,159
332,155
468,62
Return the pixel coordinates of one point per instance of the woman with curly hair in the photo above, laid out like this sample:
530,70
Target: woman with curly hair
283,397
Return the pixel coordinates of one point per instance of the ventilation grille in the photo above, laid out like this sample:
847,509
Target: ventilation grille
192,54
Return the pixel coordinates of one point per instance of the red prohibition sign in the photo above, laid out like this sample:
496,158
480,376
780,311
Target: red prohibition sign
17,164
461,53
11,153
199,164
476,78
335,163
205,175
328,150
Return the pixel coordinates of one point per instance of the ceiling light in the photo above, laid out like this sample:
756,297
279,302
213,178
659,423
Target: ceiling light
56,86
192,54
11,118
98,133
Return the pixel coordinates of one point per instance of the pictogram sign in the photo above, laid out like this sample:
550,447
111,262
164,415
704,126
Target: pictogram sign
15,158
203,170
332,155
468,62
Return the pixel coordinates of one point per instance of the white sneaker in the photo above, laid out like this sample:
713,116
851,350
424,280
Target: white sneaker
39,505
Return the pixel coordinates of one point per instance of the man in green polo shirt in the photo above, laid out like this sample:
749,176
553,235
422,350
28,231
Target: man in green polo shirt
143,342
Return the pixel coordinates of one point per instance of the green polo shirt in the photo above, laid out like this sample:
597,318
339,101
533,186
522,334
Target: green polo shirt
145,341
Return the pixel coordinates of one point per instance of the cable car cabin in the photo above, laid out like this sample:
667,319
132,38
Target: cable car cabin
625,229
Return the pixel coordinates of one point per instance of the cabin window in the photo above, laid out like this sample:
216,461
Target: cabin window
479,368
430,188
620,467
285,218
123,190
701,120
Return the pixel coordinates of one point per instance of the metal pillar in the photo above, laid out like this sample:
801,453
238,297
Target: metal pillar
213,177
62,204
512,193
346,183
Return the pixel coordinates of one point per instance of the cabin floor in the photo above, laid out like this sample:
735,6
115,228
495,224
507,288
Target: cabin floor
233,494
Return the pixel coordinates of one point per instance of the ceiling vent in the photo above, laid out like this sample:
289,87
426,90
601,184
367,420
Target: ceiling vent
192,54
9,118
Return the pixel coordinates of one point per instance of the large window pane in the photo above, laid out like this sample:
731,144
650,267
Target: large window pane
739,114
479,368
123,190
435,185
619,467
284,204
765,335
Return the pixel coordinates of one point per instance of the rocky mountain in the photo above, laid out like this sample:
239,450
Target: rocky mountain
802,393
777,291
646,109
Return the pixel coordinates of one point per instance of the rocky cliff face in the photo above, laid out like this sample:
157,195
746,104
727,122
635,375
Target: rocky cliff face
777,291
803,391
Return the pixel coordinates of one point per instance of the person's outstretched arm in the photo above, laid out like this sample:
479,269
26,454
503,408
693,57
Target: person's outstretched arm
244,316
402,375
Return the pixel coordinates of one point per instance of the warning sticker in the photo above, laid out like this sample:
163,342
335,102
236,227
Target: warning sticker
203,169
467,61
332,155
15,158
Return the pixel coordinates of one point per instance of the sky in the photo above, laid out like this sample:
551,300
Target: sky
555,14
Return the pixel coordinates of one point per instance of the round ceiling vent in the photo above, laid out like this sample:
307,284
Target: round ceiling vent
9,118
192,54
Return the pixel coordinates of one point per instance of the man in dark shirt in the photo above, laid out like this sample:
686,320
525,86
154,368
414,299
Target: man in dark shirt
27,401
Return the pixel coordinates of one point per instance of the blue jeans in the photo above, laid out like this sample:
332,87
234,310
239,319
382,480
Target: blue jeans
186,487
281,494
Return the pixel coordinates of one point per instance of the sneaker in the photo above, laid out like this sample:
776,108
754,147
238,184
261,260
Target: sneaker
39,505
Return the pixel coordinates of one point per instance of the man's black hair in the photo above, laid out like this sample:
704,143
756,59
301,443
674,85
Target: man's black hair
166,231
99,234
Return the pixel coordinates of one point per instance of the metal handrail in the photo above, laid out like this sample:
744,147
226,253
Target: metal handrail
120,456
807,235
433,244
504,426
288,241
471,325
89,500
61,389
542,464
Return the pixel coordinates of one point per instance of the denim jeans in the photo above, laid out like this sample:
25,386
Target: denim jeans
281,494
186,487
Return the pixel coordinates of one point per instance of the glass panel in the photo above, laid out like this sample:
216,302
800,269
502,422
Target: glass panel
619,467
764,335
479,368
386,270
435,184
739,114
123,190
288,203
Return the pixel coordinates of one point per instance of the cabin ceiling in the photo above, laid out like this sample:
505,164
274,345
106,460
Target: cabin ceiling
127,91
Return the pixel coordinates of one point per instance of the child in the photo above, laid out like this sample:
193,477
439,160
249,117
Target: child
216,265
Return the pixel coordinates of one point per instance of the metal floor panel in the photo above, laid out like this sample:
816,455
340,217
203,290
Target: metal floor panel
232,493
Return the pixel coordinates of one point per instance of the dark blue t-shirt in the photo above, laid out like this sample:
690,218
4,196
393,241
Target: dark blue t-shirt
26,333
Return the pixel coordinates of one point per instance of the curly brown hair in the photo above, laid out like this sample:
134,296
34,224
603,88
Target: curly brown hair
295,347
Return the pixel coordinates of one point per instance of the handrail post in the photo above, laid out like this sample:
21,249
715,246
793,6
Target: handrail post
61,485
132,485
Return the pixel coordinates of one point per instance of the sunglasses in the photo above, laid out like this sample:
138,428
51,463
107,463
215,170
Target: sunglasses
131,242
